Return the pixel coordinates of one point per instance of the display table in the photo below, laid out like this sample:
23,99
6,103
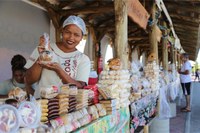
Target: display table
142,111
117,122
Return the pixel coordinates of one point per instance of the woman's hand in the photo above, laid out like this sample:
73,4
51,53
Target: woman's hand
54,66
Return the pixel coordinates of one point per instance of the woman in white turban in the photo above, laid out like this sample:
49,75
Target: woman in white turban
68,64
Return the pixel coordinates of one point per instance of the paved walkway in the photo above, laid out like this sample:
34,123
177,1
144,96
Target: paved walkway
188,122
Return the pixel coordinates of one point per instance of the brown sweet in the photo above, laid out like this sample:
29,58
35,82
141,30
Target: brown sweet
114,64
53,100
17,93
44,110
44,119
63,111
152,57
53,111
53,107
53,103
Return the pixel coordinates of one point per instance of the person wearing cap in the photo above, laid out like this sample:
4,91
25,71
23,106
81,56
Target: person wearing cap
186,79
68,65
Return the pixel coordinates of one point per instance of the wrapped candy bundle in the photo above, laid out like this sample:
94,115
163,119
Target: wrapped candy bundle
93,88
152,72
63,102
77,119
82,99
110,105
43,105
101,109
92,110
72,104
53,107
49,92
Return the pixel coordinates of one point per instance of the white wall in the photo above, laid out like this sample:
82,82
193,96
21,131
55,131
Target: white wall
105,41
21,25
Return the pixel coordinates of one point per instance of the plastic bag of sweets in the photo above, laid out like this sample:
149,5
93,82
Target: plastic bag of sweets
30,114
9,119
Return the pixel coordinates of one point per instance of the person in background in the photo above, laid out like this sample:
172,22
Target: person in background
186,79
17,80
68,65
197,75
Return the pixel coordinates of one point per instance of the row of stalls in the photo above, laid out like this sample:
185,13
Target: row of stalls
136,88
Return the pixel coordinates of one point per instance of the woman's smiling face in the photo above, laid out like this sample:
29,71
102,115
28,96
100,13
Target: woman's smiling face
72,35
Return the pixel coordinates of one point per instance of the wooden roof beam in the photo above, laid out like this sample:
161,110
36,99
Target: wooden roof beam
52,13
132,30
106,20
189,44
171,5
136,38
185,34
189,32
65,3
141,44
185,22
191,49
189,19
187,39
185,27
88,10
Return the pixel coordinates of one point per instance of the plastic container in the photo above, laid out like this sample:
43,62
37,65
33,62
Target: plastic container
47,55
30,114
9,119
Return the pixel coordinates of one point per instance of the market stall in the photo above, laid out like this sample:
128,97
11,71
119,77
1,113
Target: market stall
118,99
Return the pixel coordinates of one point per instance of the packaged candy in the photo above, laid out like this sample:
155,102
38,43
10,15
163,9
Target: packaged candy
49,92
46,55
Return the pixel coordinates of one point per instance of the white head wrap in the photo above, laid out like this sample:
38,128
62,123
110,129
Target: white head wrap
77,21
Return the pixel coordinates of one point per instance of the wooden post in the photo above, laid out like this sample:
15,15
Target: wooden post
146,129
58,34
164,49
172,54
179,60
95,57
152,36
121,37
175,57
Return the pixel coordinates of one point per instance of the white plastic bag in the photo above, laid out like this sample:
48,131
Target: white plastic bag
164,112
